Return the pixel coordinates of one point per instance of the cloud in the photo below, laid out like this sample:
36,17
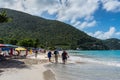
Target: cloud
35,7
63,10
79,9
40,6
85,24
111,33
118,33
12,4
111,5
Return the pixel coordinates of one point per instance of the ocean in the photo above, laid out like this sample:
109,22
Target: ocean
89,65
106,57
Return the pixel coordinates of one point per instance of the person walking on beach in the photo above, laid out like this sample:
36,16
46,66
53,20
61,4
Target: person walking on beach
49,55
56,53
36,53
64,57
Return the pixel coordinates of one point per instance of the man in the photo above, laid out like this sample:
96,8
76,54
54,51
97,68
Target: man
49,55
56,53
64,57
36,53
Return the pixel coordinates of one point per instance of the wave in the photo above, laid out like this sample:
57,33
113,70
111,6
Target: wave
93,60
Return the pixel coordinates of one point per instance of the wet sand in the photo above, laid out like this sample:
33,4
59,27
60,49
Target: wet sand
49,75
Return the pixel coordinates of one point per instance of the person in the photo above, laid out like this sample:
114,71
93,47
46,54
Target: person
56,53
31,51
64,57
26,53
2,58
18,53
36,53
49,55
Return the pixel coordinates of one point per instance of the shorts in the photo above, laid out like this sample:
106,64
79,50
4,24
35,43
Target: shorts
64,58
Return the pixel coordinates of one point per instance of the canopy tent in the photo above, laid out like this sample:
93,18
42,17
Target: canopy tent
8,46
2,45
20,49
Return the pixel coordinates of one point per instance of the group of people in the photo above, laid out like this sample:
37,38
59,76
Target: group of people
56,54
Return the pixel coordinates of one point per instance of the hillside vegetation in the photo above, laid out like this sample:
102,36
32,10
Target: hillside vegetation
112,43
32,31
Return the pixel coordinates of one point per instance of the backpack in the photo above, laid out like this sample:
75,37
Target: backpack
64,54
55,52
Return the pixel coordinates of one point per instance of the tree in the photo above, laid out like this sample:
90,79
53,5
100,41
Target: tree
13,41
26,43
4,17
1,41
36,43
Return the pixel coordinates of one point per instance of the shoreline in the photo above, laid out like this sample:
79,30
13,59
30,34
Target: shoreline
30,68
40,68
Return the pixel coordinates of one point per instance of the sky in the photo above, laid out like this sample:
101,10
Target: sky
97,18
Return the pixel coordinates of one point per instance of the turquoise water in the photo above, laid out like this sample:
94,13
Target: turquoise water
97,65
108,57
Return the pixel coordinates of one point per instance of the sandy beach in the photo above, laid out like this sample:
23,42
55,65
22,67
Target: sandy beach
77,68
30,68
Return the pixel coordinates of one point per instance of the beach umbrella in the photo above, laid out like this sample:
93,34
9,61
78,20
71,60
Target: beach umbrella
8,46
11,46
2,45
20,49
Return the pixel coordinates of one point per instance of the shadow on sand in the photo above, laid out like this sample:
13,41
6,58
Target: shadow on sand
12,63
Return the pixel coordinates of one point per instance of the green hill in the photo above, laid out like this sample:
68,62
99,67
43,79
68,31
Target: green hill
46,33
112,43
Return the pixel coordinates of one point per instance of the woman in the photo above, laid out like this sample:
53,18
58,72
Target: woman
64,56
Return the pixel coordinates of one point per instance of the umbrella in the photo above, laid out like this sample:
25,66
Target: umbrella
2,45
10,45
20,48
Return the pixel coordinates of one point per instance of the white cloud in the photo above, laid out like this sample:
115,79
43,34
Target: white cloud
77,23
38,7
106,35
12,4
79,9
118,33
65,10
111,5
35,7
85,24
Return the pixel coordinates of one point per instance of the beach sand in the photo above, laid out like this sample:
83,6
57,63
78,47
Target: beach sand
49,75
30,68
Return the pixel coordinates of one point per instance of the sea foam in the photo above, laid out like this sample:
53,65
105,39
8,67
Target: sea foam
93,60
